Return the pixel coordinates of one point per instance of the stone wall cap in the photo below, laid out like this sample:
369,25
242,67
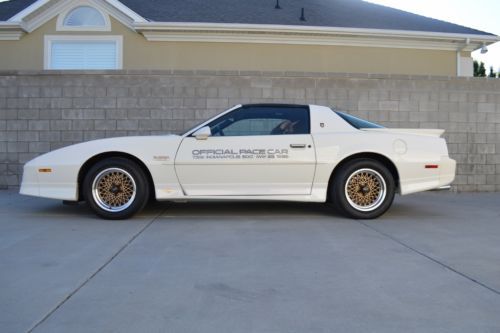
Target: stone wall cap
256,73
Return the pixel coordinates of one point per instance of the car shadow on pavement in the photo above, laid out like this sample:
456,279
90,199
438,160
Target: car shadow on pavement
412,211
246,209
55,208
401,209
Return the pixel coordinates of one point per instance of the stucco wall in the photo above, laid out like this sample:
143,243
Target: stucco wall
42,111
138,53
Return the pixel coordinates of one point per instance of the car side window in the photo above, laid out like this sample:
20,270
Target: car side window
263,120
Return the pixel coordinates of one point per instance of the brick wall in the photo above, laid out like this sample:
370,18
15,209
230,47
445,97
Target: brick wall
42,111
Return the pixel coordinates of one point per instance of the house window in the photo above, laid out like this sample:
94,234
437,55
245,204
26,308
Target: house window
84,16
83,52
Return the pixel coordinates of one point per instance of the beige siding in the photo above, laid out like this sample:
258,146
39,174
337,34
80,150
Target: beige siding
28,54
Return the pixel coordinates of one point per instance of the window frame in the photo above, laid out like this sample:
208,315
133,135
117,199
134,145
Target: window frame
62,17
50,39
355,121
283,106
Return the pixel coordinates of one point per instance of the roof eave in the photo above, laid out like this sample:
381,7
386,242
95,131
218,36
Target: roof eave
40,3
39,12
282,28
288,34
28,10
11,30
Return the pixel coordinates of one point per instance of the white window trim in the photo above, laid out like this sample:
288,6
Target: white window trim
62,16
49,39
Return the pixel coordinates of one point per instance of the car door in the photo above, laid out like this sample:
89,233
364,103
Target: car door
254,150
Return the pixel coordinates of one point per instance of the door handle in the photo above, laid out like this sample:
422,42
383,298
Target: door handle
297,145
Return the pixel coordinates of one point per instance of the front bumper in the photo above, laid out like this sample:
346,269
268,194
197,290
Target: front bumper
60,183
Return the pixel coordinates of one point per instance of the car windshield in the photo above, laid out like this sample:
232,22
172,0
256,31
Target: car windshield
357,122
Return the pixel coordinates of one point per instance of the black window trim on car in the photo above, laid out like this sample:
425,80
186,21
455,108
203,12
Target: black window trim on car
268,105
355,121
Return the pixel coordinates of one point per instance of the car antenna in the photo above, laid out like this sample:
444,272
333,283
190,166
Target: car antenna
302,16
277,5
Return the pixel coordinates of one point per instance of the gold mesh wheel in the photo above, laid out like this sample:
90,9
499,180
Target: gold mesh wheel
365,190
114,189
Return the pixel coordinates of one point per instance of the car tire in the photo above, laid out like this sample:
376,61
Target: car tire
116,188
363,189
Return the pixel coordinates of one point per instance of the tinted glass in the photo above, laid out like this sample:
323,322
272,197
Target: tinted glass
262,120
357,122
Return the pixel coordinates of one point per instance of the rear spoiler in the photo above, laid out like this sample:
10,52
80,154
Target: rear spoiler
415,131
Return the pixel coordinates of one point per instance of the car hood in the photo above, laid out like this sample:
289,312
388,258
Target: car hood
143,147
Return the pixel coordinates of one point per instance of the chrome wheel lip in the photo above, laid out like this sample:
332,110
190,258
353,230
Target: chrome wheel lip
101,202
381,196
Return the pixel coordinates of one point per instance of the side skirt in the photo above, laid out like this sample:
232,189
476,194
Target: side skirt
295,198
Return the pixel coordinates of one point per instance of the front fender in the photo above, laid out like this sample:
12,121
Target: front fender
55,174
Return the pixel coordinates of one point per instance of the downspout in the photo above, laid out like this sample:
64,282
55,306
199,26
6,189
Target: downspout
459,56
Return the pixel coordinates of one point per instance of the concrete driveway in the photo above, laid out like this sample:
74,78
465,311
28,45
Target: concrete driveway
432,264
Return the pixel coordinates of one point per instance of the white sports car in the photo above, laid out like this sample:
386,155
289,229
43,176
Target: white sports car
250,152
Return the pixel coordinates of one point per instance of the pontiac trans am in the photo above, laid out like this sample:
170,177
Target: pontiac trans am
304,153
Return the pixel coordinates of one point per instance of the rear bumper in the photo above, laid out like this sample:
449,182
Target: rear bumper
447,171
418,178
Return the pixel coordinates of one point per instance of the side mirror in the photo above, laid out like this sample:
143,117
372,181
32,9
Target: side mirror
203,133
